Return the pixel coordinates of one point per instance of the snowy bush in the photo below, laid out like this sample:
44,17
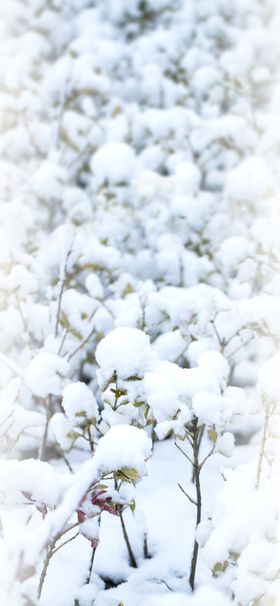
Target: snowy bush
139,276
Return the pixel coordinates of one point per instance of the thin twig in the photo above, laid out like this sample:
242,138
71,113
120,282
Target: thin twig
132,559
50,551
262,449
187,495
90,438
67,462
42,451
65,543
81,345
161,581
62,285
7,419
189,440
207,457
184,453
93,550
62,341
45,567
243,344
220,340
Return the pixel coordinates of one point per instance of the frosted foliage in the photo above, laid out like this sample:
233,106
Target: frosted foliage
269,379
125,352
140,303
171,388
115,163
45,374
251,181
62,430
79,403
123,446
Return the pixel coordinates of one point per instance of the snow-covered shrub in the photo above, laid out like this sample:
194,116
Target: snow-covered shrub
124,356
139,260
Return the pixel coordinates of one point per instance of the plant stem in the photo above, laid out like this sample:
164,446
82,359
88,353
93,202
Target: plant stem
263,442
45,567
196,432
199,444
132,559
145,548
62,285
50,552
131,556
93,550
43,446
90,438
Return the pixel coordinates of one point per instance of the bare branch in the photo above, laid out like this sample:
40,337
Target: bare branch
62,341
242,344
210,453
81,345
184,453
187,495
161,581
65,542
62,285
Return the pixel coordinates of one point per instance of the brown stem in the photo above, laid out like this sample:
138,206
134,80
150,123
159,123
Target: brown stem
199,444
81,345
196,432
50,552
90,439
93,551
146,552
131,556
132,559
48,557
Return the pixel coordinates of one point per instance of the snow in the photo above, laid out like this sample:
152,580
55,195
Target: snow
85,595
139,280
123,446
269,381
203,595
225,444
250,182
126,352
34,478
62,430
115,163
79,404
45,374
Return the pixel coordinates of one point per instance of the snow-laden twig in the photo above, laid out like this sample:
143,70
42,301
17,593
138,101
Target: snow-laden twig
63,277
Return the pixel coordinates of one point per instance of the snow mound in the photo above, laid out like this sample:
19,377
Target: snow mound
115,163
123,446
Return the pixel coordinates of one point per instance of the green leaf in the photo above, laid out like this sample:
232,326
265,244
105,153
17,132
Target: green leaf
73,435
234,555
220,568
212,434
128,474
101,486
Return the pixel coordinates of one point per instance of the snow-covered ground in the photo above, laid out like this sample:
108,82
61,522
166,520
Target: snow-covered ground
140,303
